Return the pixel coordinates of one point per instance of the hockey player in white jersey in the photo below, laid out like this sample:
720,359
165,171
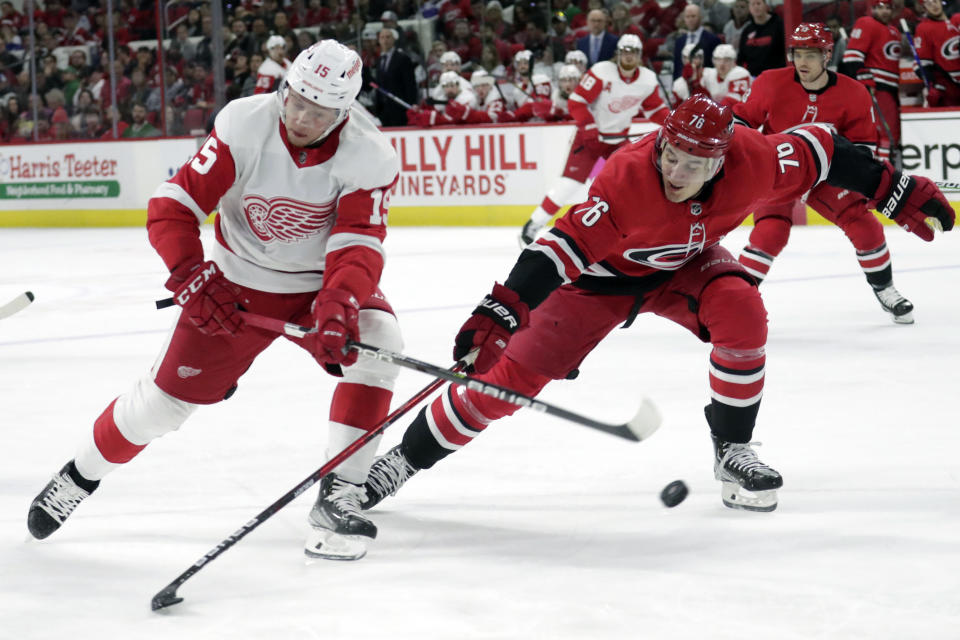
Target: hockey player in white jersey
486,104
456,99
726,81
689,80
272,71
567,79
449,62
607,99
519,85
303,189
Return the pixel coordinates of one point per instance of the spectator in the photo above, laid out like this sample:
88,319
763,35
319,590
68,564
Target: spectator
9,13
394,73
73,35
139,127
199,87
762,41
599,44
491,63
250,84
621,21
181,43
839,42
83,101
78,60
239,66
205,47
739,17
560,34
695,35
390,21
240,40
93,128
715,14
493,16
194,23
60,124
139,89
259,33
71,84
467,45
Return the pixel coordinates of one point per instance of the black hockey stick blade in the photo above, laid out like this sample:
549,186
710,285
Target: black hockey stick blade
17,304
167,597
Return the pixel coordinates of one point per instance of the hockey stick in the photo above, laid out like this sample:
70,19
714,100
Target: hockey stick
640,427
666,94
17,304
398,100
947,186
916,56
167,596
883,121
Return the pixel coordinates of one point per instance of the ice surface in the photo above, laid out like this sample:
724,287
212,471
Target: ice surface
540,528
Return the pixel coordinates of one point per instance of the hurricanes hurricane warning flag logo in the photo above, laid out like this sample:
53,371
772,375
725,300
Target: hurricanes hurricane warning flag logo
285,219
670,257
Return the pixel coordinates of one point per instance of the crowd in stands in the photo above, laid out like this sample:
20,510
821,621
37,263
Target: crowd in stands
73,75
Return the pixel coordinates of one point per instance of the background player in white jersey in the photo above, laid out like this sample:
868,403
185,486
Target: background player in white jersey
273,70
519,85
449,62
567,79
303,185
603,104
726,82
689,80
578,59
453,92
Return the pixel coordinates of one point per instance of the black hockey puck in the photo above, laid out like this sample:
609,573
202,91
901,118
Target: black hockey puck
674,493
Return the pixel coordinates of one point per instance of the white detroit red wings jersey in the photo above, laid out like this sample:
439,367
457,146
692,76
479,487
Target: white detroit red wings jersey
269,75
561,105
877,47
938,43
285,213
730,89
603,97
778,102
628,229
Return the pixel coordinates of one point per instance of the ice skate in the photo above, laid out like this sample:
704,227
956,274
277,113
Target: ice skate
895,304
388,473
747,483
529,233
56,502
339,530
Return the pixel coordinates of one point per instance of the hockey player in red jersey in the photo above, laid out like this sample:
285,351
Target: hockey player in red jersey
938,47
646,240
302,183
808,92
604,104
873,57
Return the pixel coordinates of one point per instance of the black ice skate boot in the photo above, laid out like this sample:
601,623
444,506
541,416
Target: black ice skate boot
388,473
340,531
529,233
895,304
57,501
747,483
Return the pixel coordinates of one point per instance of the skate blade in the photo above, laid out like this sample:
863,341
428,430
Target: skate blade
736,497
328,545
906,318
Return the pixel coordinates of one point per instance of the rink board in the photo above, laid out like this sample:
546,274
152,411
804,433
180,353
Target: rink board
449,176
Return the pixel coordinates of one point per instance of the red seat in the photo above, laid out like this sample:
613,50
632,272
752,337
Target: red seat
195,121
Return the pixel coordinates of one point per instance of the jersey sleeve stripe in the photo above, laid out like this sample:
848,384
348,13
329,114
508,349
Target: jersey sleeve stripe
819,153
576,97
550,254
340,241
570,247
177,193
852,55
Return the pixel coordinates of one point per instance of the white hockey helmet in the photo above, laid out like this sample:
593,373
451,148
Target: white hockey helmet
542,88
526,55
450,58
691,49
276,41
576,57
448,78
327,74
569,72
630,41
482,77
724,52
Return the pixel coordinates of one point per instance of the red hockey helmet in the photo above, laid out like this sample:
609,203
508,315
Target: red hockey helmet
698,126
811,35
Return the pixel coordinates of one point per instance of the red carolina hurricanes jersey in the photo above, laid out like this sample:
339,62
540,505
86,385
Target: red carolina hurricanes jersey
938,42
778,102
627,227
877,47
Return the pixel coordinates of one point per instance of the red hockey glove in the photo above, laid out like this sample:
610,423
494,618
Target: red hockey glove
336,316
209,300
591,140
542,108
419,118
910,200
456,111
494,321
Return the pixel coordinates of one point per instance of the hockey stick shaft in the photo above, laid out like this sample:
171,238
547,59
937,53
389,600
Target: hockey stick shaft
916,56
17,304
168,595
641,426
883,121
403,103
947,186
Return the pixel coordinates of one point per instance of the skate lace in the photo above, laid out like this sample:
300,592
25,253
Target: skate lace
389,473
346,496
742,457
890,297
62,499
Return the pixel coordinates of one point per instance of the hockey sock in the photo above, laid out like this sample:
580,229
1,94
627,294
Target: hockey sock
355,410
877,266
756,262
542,214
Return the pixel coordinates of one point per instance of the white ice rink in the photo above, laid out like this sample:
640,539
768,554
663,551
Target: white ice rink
541,529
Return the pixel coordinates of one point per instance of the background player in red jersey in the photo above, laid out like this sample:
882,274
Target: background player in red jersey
302,183
647,240
808,92
873,57
610,94
938,47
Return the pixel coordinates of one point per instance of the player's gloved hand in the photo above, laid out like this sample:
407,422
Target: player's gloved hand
456,111
934,97
209,300
494,321
542,108
910,200
419,117
336,316
591,140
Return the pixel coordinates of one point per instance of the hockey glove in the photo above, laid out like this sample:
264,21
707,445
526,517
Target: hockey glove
209,300
591,140
910,200
494,321
336,315
456,111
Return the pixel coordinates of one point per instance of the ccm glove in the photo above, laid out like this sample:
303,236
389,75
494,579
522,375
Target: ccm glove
209,300
336,315
494,321
910,200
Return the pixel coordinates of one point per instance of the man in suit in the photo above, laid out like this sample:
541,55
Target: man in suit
395,73
599,44
696,34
